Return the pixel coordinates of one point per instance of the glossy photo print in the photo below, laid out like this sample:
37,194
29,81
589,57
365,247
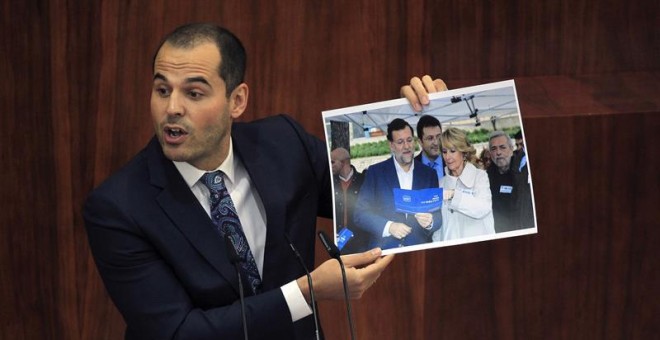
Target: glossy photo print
455,173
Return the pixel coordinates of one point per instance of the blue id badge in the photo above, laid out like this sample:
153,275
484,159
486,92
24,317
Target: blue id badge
343,237
506,189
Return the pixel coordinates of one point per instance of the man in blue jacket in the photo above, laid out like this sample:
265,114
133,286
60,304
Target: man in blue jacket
375,211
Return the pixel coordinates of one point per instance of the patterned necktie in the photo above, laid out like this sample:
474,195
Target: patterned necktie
225,218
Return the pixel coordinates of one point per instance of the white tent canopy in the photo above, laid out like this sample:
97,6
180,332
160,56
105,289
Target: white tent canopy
457,107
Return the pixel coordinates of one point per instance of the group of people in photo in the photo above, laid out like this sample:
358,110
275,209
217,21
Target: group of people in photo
483,193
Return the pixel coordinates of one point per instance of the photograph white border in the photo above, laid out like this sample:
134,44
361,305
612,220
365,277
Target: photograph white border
444,106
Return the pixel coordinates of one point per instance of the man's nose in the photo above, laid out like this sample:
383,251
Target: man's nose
175,105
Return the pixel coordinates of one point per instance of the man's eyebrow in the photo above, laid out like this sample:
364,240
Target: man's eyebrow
202,80
159,76
198,80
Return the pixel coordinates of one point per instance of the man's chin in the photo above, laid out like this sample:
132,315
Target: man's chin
175,154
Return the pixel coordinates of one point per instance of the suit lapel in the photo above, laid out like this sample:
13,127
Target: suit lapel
419,181
391,176
183,209
257,166
416,176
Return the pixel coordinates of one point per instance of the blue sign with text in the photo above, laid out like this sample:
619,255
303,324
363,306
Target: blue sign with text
417,201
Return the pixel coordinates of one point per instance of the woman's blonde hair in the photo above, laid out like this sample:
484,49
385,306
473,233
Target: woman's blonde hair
453,138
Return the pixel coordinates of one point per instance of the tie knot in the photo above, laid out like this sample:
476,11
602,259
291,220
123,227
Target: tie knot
213,180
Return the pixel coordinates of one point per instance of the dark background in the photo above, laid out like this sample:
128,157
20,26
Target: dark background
75,79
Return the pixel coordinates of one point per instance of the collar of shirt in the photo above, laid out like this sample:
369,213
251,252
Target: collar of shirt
427,161
347,178
191,174
405,178
468,177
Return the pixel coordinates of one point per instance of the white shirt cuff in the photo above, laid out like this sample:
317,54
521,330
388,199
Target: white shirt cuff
386,230
295,301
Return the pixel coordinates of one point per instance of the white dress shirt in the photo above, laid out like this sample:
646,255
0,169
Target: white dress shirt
405,182
405,177
251,213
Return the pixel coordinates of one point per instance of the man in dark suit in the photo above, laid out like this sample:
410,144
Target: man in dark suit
155,243
347,182
508,176
375,212
429,131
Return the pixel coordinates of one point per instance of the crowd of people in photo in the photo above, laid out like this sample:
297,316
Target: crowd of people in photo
484,192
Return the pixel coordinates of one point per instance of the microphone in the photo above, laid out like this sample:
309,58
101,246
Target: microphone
330,247
309,282
235,260
334,252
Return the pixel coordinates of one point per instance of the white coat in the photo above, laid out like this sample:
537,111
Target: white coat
470,211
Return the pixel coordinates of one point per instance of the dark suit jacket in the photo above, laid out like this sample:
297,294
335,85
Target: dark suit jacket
512,210
346,201
375,204
165,266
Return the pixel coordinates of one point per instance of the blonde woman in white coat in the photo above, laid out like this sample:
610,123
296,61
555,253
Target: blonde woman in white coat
467,207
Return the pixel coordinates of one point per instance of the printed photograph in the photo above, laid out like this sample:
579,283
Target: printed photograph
457,172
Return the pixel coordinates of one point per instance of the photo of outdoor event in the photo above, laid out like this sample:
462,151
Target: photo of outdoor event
458,172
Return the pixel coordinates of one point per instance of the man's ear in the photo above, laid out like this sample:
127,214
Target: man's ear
238,100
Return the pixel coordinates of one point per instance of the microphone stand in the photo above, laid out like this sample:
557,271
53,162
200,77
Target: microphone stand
334,252
309,282
235,259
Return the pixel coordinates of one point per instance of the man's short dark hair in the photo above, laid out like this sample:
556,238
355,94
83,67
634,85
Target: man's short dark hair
426,121
396,125
232,53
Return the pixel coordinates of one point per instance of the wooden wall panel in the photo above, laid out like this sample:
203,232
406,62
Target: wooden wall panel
500,39
586,273
28,244
75,91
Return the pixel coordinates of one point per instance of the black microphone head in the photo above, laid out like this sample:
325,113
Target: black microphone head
231,250
330,247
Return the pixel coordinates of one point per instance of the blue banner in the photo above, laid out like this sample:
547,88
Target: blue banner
417,201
